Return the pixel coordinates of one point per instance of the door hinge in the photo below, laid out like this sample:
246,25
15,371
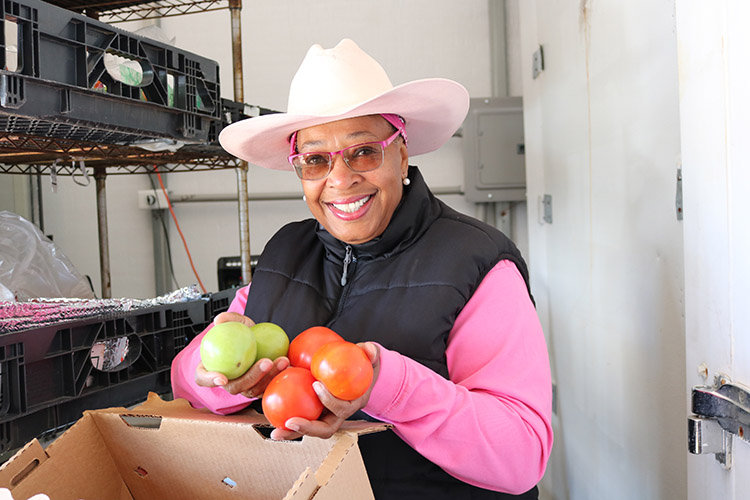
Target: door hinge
545,209
537,63
720,412
678,195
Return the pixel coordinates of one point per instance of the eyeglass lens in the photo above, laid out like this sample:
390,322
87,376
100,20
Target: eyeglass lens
359,158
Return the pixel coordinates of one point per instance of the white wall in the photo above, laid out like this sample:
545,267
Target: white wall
412,40
602,138
70,217
15,195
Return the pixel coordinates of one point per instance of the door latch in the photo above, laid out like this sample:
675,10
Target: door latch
720,412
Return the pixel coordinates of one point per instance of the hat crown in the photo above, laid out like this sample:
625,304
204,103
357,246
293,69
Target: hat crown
341,83
332,81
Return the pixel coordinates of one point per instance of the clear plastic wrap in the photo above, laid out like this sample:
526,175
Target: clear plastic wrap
31,266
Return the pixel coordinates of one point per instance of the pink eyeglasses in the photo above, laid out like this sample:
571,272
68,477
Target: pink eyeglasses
359,157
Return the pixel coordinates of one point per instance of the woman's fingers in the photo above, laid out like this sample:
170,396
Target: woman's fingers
372,351
338,407
251,384
335,414
205,378
226,317
284,435
324,427
256,379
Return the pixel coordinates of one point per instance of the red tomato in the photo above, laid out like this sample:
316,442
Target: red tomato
290,394
344,369
303,346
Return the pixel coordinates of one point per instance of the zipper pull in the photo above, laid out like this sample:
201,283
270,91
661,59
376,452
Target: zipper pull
347,261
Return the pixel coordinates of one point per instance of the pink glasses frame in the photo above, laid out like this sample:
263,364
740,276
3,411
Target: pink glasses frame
395,120
391,118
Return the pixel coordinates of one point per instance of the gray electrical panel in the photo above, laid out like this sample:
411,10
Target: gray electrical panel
494,157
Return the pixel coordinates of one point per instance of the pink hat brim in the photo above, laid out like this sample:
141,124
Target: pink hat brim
433,109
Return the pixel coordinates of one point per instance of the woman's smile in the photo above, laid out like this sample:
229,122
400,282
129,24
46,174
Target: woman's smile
350,209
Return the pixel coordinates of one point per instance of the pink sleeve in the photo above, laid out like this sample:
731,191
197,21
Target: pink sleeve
489,425
186,361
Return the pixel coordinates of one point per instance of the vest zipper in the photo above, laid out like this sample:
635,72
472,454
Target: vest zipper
347,260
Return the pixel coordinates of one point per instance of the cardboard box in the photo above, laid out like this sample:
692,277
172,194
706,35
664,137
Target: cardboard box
168,450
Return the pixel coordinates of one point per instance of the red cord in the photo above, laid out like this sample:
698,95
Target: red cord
174,217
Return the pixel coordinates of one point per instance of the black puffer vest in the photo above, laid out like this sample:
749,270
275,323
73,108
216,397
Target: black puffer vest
403,290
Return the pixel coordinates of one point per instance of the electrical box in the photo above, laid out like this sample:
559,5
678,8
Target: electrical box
494,152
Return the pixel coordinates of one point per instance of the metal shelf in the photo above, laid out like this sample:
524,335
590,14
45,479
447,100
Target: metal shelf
26,154
120,11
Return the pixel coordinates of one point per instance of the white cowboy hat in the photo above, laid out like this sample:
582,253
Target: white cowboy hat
344,82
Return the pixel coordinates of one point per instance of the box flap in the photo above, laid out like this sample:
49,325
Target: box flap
362,427
23,462
75,466
181,408
304,488
334,458
170,450
343,476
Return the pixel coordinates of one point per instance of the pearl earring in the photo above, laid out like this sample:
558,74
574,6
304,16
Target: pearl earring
304,198
407,181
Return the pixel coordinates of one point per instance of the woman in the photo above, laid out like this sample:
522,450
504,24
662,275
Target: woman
438,300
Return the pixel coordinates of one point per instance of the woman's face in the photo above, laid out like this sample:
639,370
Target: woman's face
354,207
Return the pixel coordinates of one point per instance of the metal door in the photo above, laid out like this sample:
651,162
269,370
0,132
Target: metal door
714,71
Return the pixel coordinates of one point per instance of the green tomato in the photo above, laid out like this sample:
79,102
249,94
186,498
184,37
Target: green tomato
272,340
229,348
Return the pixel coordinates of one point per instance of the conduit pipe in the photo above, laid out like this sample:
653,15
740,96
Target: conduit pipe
278,196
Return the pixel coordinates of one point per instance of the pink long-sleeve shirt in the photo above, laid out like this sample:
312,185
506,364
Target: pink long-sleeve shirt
489,425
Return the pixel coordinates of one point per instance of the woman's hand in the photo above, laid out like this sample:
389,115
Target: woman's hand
336,410
254,381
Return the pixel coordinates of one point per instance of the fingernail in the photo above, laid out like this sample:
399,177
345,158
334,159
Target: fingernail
219,381
292,426
265,365
319,387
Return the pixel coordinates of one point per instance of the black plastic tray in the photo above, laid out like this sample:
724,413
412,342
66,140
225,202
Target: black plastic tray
59,86
48,377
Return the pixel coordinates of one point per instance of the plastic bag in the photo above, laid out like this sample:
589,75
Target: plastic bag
31,266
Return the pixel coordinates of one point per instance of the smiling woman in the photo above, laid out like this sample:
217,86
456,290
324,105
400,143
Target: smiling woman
439,301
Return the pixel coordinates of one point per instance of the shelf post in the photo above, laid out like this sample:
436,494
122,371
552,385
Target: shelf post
235,10
100,175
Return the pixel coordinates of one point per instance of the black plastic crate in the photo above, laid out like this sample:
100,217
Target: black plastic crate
50,375
232,111
219,302
49,422
58,84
